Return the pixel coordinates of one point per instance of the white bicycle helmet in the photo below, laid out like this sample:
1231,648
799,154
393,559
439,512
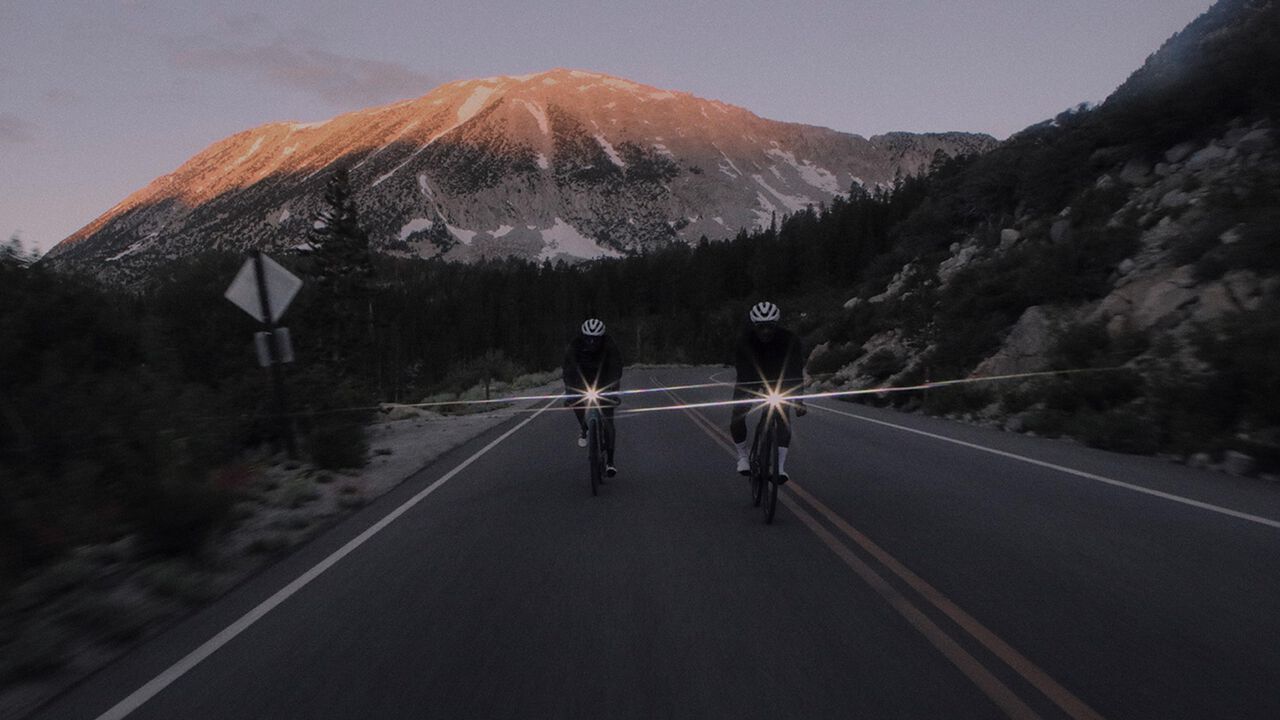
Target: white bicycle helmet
593,328
763,312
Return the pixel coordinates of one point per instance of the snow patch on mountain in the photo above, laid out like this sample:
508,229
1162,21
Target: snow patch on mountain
413,226
563,238
792,203
810,173
135,247
621,84
474,103
464,235
252,149
608,149
538,114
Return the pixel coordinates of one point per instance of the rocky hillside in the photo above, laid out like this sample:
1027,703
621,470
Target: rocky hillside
562,163
1137,241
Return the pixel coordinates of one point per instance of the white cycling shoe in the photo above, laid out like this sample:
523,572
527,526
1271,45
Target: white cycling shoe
582,440
610,471
744,466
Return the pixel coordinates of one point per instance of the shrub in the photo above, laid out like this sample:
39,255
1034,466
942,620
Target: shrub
957,399
882,363
334,444
177,513
836,357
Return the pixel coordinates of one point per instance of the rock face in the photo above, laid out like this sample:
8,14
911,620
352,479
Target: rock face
559,164
1025,348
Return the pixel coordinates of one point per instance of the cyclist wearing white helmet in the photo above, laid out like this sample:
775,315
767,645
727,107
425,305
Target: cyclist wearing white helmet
768,358
592,361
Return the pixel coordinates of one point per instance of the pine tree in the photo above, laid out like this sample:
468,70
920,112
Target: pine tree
344,270
341,245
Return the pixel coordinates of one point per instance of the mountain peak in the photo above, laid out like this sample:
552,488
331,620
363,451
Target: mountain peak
560,163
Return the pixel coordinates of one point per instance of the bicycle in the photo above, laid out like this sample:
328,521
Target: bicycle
597,440
764,460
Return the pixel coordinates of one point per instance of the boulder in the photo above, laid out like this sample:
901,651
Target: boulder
1244,287
1215,302
1119,302
1126,266
1209,156
1256,141
1008,236
1117,327
955,263
1232,236
1025,348
1136,172
1174,199
1179,152
896,284
1163,300
1199,460
1184,277
1163,170
1233,136
1060,231
1238,463
1164,231
852,303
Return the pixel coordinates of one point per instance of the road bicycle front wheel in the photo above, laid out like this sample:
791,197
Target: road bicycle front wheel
769,491
593,450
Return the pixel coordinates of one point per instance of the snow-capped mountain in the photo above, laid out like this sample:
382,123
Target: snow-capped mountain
561,163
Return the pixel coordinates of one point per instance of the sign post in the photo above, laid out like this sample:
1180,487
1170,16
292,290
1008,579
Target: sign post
264,289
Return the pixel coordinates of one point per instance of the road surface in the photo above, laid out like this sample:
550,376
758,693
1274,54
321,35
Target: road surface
917,568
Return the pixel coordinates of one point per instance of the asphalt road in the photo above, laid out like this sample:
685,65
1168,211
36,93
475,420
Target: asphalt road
917,568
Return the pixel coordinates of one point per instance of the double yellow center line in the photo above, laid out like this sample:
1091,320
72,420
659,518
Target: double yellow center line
799,501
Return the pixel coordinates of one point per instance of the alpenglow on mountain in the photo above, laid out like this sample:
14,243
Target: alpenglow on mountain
563,163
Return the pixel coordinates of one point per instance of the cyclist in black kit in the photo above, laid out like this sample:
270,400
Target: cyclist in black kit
768,359
592,362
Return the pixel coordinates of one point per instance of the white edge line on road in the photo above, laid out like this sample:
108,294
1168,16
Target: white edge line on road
1070,471
140,696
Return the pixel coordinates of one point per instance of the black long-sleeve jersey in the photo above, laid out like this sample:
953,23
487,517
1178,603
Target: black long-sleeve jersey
601,369
777,363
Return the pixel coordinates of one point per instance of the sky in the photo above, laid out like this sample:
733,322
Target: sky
99,97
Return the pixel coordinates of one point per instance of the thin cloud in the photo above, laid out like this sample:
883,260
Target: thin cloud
61,97
14,129
339,80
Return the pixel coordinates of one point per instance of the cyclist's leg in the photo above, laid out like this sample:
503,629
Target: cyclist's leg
738,428
581,414
784,442
738,419
610,434
784,429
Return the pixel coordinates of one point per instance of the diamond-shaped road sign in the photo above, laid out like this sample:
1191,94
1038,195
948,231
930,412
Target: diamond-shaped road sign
282,286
